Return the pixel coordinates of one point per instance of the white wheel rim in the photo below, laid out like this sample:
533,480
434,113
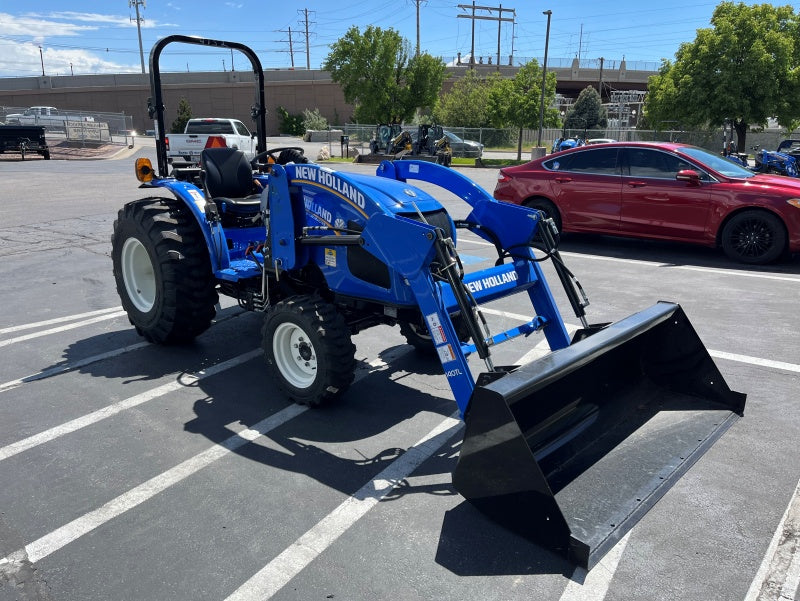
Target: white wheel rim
295,356
138,275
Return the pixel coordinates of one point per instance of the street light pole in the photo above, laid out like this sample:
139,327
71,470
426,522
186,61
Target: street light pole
544,77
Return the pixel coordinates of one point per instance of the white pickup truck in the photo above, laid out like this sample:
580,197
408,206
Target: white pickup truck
49,116
185,148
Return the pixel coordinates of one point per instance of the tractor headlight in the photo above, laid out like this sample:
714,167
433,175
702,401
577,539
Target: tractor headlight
144,170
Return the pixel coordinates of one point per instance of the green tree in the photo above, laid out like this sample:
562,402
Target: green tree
515,102
184,114
467,102
291,125
381,78
745,67
588,111
314,120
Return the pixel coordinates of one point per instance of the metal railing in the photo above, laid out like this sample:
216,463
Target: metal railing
78,127
507,139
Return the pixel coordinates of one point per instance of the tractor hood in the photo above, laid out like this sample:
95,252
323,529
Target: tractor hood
366,194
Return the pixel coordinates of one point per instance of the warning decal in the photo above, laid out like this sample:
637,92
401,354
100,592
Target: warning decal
445,353
436,329
330,257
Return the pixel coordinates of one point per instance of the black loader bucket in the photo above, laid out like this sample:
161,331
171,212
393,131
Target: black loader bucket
574,448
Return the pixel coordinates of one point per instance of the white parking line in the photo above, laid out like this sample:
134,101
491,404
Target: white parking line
278,572
60,537
61,369
593,586
183,381
71,326
716,270
755,361
778,577
49,322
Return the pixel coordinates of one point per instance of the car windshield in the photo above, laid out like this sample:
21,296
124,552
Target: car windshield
718,163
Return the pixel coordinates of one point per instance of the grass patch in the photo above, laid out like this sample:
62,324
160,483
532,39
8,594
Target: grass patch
500,162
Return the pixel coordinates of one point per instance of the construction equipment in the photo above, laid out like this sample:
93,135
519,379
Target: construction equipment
570,450
431,141
390,139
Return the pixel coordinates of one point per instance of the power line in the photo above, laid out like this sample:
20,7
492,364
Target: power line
500,18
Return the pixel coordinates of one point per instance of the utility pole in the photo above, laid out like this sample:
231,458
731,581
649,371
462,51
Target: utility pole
600,84
549,13
500,18
139,21
41,58
291,45
417,2
308,50
291,48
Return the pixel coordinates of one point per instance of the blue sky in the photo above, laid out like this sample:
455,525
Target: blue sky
82,36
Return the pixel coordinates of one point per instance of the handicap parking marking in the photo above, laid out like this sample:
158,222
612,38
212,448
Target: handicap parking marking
471,259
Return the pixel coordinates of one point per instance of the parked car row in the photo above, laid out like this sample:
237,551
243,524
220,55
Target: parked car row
664,191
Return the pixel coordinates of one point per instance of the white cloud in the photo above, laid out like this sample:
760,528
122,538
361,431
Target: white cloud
23,26
24,60
22,36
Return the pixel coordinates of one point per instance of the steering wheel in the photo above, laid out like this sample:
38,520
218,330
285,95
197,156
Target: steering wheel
281,156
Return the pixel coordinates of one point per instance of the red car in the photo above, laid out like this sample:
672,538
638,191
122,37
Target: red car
662,191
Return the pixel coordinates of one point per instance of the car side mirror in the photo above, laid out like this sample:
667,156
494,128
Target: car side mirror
688,175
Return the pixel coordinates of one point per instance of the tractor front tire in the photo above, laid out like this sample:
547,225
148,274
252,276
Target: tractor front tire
163,271
308,349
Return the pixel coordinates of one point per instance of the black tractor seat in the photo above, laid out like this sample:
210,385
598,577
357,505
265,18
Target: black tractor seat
228,180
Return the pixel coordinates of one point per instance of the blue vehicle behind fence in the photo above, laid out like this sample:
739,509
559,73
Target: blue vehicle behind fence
775,161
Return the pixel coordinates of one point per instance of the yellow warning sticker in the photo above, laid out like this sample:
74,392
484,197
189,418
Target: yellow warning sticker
330,257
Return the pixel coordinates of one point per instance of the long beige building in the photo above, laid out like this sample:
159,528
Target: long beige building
231,93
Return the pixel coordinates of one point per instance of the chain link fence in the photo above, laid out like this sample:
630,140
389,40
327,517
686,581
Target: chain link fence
507,139
77,128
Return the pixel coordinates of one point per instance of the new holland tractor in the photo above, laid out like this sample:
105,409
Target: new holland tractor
569,450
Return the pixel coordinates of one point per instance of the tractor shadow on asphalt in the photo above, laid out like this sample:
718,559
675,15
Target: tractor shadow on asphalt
341,445
398,397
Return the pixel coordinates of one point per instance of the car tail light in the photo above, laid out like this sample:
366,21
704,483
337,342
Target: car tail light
215,142
503,178
166,141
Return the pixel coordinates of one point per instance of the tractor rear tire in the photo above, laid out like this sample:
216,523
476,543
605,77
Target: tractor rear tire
308,350
163,270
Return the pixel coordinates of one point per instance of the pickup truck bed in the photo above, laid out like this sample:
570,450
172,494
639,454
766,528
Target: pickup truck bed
185,148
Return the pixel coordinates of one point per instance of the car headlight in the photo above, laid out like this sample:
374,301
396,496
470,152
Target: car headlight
795,202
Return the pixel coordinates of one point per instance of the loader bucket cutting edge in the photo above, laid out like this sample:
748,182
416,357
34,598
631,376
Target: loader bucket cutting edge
573,449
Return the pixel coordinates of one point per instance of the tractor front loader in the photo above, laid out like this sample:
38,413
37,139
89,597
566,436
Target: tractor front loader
569,450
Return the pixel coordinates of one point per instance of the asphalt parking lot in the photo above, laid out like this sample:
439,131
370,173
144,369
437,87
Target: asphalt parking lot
130,471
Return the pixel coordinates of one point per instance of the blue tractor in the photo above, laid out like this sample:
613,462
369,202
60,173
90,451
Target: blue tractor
777,162
613,414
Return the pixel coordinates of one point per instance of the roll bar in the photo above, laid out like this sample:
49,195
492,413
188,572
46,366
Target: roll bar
155,104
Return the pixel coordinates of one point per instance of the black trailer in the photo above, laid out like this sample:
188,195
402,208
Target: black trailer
23,139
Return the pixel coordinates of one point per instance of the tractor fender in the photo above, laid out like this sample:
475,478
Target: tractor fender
196,201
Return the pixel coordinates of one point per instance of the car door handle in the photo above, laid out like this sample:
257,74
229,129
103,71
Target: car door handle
637,184
563,179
